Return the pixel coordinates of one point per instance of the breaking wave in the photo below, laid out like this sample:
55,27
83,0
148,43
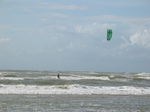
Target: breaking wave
73,89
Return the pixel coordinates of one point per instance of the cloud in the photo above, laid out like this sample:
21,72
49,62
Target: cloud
93,28
2,40
131,30
14,28
89,30
62,7
141,38
32,6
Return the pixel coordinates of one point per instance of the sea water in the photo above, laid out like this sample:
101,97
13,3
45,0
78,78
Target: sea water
42,91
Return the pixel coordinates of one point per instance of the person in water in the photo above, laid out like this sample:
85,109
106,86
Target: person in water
58,76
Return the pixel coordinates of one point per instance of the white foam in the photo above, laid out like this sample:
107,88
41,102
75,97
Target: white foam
11,78
73,89
146,78
143,74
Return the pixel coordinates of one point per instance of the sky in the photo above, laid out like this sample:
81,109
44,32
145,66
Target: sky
70,35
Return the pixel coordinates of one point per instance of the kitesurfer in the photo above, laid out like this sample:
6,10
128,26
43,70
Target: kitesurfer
58,76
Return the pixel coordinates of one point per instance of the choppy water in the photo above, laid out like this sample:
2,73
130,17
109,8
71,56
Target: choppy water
42,91
44,82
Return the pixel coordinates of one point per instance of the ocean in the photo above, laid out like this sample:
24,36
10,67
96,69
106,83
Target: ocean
74,91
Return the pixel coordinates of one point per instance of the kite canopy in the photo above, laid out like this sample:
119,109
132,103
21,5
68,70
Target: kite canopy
109,34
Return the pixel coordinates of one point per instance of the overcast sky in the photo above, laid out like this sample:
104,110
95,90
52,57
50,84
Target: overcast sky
70,35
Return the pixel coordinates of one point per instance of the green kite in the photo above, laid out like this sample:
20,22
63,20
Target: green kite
109,34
